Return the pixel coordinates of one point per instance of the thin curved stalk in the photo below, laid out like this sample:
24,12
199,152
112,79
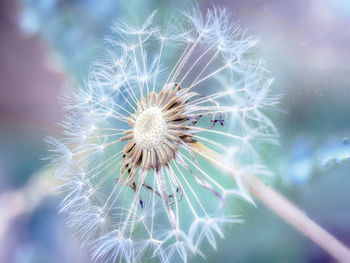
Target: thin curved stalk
288,211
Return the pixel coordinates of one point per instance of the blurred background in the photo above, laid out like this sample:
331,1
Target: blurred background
45,44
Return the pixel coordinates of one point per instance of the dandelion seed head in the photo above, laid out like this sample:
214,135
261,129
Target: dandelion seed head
135,181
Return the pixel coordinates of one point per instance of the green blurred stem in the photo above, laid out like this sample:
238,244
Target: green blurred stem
285,209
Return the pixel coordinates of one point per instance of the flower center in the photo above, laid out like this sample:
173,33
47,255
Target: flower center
150,128
158,128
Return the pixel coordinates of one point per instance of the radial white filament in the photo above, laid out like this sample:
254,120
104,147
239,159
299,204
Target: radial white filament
128,160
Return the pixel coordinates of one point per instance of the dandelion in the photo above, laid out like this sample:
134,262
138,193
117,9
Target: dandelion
156,136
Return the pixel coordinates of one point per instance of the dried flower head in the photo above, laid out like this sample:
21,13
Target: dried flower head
136,185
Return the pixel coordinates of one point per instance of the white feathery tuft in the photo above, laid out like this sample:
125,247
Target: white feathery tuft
134,186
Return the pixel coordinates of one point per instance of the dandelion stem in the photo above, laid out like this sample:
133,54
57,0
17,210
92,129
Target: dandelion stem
298,219
288,211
